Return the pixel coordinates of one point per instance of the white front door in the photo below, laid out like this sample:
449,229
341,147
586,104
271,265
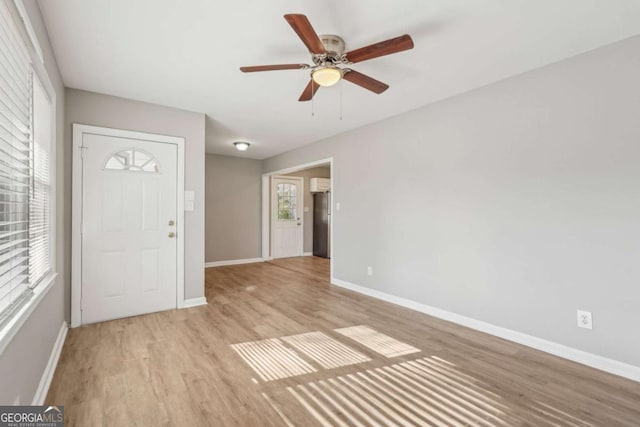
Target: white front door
129,207
287,197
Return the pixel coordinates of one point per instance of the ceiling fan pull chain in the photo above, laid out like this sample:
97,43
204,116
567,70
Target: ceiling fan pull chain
340,99
312,104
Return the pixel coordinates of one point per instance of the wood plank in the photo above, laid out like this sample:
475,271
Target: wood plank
178,367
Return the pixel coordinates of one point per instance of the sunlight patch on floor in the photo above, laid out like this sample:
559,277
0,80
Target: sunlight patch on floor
418,392
271,360
423,392
377,341
326,351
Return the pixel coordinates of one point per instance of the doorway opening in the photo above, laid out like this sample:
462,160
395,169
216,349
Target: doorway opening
297,215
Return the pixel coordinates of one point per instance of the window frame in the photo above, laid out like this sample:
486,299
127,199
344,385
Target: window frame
291,209
10,328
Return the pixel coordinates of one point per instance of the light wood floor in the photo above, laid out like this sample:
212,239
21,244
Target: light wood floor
178,368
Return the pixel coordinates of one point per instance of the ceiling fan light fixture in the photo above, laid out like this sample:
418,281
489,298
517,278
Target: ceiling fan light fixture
326,76
241,145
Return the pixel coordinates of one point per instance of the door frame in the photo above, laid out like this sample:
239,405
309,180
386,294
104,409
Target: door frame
272,204
79,130
266,206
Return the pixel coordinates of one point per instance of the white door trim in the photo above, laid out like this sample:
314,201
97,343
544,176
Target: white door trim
266,206
76,223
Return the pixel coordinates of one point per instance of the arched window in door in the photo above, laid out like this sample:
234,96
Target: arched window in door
133,160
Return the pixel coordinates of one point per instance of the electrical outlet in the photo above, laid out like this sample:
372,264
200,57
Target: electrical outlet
369,271
337,206
585,320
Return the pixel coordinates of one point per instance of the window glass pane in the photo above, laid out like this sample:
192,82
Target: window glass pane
286,201
114,163
140,158
292,204
151,166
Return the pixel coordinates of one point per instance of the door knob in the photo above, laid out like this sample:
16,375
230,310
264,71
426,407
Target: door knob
298,223
171,223
172,235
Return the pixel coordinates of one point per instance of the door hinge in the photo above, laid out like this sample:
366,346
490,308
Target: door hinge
82,148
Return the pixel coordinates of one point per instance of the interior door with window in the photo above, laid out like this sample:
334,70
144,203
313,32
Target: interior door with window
129,207
287,229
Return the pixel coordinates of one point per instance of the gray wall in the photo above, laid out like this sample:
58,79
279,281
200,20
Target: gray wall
233,211
109,111
307,174
23,362
515,204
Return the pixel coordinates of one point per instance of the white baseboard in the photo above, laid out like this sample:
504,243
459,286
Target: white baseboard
232,262
307,254
593,360
50,369
194,302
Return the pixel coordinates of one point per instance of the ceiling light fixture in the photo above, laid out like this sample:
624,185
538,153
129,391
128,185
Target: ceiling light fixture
241,145
326,76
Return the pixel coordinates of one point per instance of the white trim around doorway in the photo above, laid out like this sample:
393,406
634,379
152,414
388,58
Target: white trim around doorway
266,206
79,130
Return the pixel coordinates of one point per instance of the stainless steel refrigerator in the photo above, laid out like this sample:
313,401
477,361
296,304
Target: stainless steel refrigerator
322,224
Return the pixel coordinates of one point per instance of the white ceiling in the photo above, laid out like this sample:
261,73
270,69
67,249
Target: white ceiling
186,54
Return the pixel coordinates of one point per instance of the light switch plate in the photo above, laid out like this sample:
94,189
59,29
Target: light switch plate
189,200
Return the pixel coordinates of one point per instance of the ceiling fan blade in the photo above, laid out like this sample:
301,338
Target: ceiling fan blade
309,91
305,31
386,47
255,68
365,81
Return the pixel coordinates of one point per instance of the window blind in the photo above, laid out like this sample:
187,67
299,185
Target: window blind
16,165
39,227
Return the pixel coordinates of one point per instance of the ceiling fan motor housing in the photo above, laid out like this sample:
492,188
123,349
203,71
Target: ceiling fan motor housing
333,44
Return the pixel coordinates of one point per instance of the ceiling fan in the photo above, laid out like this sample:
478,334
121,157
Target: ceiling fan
327,55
